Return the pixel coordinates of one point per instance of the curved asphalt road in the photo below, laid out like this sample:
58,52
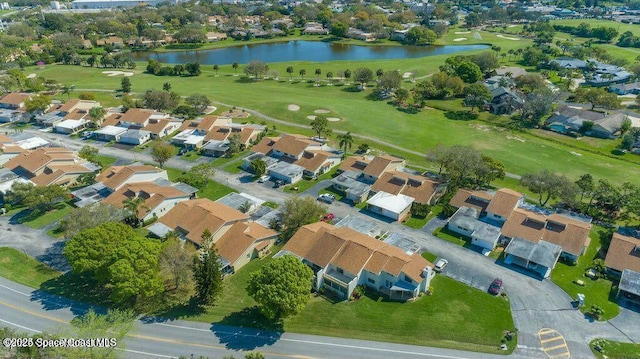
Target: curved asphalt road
29,310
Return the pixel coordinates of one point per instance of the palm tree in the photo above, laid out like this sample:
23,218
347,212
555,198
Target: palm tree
216,68
97,114
302,72
330,77
510,52
379,72
346,141
318,73
290,72
347,76
235,68
132,205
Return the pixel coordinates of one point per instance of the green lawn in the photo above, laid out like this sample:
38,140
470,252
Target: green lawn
615,350
20,268
191,156
600,292
106,161
415,222
429,256
520,151
451,236
213,190
466,318
60,212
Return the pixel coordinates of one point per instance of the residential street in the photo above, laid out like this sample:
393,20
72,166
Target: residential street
535,303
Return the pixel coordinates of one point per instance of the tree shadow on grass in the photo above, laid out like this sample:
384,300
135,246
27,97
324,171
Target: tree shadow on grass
350,88
75,290
185,310
247,329
245,80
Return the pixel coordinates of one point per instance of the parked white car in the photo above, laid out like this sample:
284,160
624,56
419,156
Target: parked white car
440,264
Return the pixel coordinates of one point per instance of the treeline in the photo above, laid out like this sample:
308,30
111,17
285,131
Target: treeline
602,33
628,39
189,69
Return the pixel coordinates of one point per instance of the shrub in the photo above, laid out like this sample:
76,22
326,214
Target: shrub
461,115
420,210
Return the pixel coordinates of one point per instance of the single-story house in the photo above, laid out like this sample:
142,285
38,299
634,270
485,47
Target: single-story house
422,189
632,88
351,184
135,137
269,161
8,115
342,259
466,222
288,172
539,257
70,127
629,287
394,206
243,202
189,139
109,133
215,148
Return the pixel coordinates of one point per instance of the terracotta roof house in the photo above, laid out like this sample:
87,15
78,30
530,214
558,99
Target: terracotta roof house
570,234
298,156
50,165
471,199
159,128
503,202
115,177
342,258
422,189
14,100
624,252
237,241
157,200
380,165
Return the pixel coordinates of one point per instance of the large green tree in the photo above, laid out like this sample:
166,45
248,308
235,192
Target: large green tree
298,211
476,95
207,271
320,125
82,218
281,287
420,35
256,69
597,97
176,267
117,259
161,152
258,167
548,185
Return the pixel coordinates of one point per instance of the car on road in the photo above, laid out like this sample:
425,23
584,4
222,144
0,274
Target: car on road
440,264
328,217
496,286
278,183
263,179
326,197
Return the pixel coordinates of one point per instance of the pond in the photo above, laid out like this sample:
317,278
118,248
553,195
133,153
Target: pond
316,51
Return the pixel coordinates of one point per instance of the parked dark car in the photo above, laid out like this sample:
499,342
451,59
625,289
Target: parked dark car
496,286
278,183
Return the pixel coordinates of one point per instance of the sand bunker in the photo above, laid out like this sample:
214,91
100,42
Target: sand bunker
460,39
333,119
576,154
31,76
508,38
462,32
293,107
117,73
311,117
321,111
406,75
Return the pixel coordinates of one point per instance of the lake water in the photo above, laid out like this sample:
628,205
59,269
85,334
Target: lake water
316,51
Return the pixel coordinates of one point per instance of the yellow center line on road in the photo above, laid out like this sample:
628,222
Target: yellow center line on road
145,337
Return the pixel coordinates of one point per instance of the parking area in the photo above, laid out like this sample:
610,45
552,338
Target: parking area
553,344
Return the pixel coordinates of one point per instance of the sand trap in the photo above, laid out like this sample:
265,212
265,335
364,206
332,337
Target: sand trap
459,39
117,73
333,119
508,38
462,32
576,154
321,111
209,110
311,117
293,107
509,137
31,76
406,75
